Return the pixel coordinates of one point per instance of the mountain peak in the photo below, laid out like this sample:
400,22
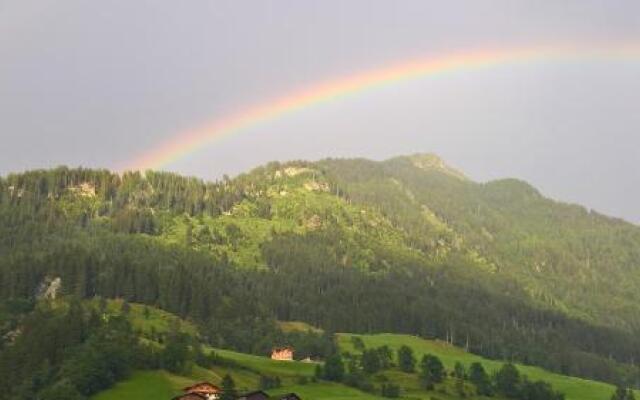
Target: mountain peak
430,162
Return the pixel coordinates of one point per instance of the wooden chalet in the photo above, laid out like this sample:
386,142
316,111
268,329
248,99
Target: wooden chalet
208,391
200,391
282,353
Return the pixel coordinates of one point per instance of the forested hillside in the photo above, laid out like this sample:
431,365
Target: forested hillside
565,256
111,349
407,245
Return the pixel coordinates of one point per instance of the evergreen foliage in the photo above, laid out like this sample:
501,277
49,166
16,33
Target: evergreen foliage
315,241
623,393
390,390
431,371
66,353
228,388
508,381
479,377
333,368
406,359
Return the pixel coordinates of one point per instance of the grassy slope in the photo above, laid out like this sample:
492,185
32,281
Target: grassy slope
292,210
289,372
270,367
154,385
297,326
574,388
156,320
141,385
158,385
163,385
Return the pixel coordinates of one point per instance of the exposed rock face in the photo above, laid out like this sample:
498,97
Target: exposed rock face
314,186
291,171
84,190
49,288
314,222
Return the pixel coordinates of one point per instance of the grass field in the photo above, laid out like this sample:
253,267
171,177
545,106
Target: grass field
142,385
161,384
574,388
153,320
158,385
297,326
325,391
267,366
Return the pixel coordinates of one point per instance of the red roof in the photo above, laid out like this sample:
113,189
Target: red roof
202,387
285,348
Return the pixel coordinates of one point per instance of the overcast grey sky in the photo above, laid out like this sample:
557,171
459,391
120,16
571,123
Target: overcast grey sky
96,83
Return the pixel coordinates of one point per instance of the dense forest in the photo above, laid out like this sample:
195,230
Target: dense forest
66,354
69,349
407,245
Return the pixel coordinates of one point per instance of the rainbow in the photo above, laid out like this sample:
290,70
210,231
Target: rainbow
187,142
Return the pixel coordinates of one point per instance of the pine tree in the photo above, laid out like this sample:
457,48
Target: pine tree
371,361
386,356
508,381
333,368
431,371
459,371
228,388
390,390
406,359
623,393
479,377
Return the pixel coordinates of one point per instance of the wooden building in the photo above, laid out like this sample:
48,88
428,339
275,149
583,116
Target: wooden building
282,353
208,391
201,391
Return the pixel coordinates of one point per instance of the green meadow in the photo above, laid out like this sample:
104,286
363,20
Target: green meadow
297,376
141,385
161,384
574,388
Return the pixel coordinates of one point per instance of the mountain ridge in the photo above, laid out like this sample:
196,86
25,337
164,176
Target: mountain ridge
540,273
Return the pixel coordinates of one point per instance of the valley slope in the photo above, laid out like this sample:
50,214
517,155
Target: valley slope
408,245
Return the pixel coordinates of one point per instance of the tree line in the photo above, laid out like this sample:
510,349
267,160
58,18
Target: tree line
359,370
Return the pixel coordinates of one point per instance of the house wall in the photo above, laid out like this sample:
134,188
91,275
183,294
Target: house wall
284,355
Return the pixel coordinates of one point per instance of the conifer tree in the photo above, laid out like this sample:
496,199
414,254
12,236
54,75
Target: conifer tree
479,377
431,371
623,393
228,388
406,359
333,368
508,381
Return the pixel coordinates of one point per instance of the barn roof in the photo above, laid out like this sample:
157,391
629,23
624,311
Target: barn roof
206,386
